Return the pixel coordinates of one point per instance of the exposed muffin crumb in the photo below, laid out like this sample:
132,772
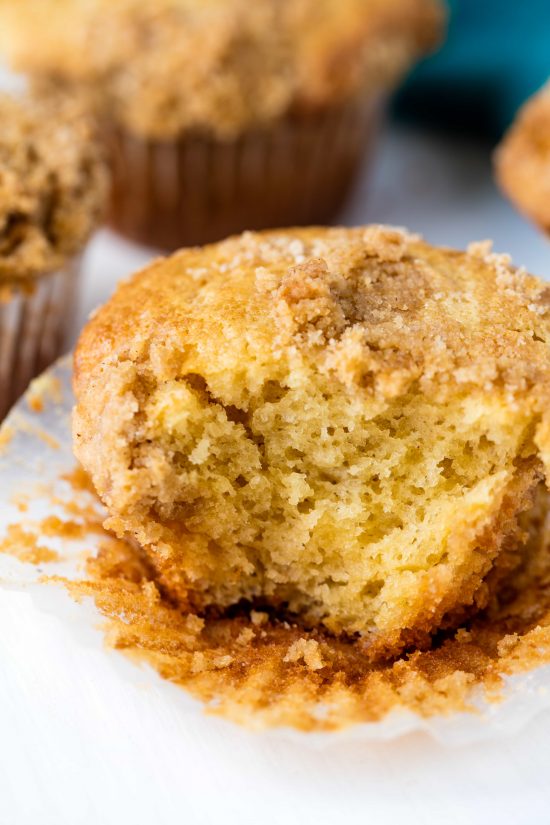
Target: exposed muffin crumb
308,651
162,66
523,160
346,424
52,186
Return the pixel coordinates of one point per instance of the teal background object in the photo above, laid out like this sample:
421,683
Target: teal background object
496,55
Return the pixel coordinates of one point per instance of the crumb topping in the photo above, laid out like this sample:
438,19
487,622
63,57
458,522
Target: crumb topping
163,66
375,307
52,186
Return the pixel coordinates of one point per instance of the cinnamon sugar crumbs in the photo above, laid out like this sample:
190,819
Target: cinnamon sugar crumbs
23,545
19,423
306,649
43,390
57,527
6,435
285,674
262,670
79,480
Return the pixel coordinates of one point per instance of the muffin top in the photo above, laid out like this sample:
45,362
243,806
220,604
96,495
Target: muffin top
523,160
376,308
163,66
52,186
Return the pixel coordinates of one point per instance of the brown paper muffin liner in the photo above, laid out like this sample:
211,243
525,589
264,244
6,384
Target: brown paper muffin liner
199,189
34,326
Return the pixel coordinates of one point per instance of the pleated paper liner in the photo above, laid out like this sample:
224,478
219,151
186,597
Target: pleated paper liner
34,324
198,188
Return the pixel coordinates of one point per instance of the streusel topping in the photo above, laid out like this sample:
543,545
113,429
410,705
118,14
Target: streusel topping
163,66
52,186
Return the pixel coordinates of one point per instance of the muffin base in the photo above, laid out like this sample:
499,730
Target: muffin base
34,326
198,189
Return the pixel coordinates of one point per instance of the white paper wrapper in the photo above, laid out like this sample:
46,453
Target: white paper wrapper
35,454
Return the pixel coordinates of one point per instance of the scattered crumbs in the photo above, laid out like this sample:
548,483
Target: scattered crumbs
202,663
65,529
7,432
245,636
19,423
79,480
21,502
507,644
260,670
194,623
223,661
308,650
46,387
258,617
23,545
198,662
249,667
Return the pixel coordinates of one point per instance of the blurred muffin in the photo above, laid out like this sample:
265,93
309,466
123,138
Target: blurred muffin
225,115
523,160
52,189
343,423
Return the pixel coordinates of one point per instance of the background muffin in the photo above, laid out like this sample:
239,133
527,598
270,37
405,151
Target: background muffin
52,189
225,115
342,423
523,160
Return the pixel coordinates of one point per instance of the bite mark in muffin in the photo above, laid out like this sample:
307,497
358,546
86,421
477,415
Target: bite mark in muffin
346,424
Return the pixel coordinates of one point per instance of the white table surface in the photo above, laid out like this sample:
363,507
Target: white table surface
79,745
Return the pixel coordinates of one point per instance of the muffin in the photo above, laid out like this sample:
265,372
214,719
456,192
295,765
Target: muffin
225,115
52,189
348,425
523,160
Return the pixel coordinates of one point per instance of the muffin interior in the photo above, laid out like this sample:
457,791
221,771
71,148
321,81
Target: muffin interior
345,424
345,512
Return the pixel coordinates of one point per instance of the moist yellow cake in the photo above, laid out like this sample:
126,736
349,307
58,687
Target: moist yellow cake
523,160
343,423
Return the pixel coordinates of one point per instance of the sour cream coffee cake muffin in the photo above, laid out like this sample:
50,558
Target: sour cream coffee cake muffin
52,192
225,115
347,424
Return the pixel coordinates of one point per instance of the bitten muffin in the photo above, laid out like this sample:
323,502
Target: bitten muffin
225,115
343,423
523,160
52,191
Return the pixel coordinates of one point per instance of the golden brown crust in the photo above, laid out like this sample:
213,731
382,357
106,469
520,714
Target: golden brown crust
377,307
164,66
292,415
52,186
523,160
